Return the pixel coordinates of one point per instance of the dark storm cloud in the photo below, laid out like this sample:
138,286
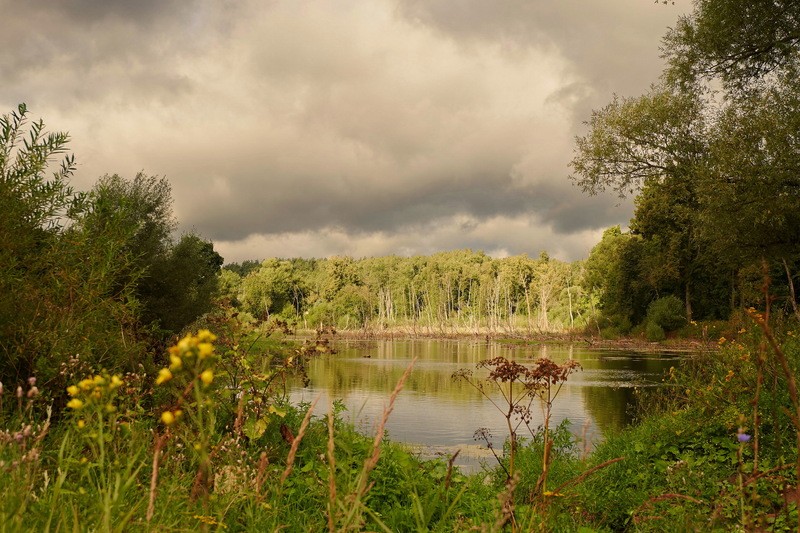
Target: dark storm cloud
317,127
611,45
82,52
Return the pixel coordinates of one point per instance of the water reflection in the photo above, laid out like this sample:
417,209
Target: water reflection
439,413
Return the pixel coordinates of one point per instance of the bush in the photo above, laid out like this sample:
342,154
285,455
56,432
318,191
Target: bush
654,332
667,313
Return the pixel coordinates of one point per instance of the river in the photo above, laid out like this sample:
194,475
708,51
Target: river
438,415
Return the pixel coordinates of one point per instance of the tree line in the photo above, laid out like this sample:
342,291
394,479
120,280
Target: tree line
462,290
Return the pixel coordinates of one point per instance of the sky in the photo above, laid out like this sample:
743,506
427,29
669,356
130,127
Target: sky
312,128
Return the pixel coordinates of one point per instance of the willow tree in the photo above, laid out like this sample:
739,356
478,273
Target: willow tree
60,304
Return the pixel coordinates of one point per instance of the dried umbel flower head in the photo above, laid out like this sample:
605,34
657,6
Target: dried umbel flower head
546,371
504,370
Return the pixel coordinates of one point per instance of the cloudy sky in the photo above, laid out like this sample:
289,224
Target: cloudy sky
353,127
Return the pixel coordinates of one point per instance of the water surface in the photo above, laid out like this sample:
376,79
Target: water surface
439,415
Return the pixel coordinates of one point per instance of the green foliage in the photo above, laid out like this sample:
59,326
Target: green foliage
459,290
654,332
182,285
276,288
712,152
173,283
61,305
667,313
735,40
684,466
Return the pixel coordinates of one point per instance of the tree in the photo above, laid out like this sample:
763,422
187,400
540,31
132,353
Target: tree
716,171
183,284
738,41
752,193
274,289
613,273
655,144
632,141
59,304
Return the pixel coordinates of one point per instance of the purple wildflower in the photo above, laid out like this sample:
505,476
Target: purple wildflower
743,437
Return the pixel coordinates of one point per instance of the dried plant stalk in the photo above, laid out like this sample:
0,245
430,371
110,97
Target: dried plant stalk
354,513
151,504
331,471
296,442
263,462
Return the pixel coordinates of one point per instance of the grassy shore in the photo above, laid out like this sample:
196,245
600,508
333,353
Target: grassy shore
210,443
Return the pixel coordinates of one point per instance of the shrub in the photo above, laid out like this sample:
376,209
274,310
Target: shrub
667,313
654,332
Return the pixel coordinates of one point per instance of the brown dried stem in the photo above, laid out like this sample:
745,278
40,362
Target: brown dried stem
296,442
151,504
331,471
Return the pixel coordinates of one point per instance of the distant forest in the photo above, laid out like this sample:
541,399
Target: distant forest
622,287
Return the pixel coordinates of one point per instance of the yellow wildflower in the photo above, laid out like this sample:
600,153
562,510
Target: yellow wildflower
116,381
86,384
186,343
75,404
99,380
210,520
207,376
164,375
73,390
204,349
110,408
206,336
168,418
81,423
178,413
175,362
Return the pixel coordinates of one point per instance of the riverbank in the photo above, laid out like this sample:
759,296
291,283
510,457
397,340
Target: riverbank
634,344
